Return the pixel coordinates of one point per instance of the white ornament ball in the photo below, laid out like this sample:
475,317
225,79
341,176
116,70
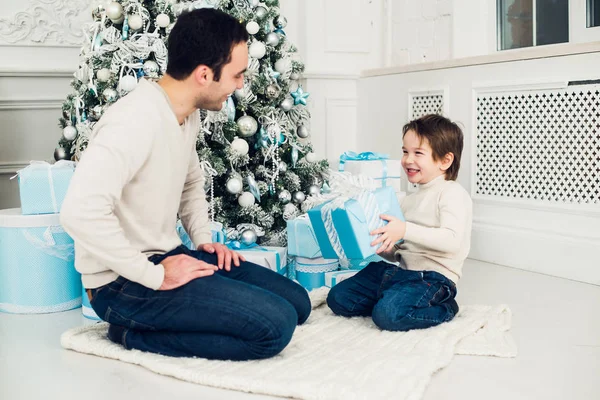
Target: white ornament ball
314,190
311,157
240,94
255,3
247,126
240,146
257,50
283,65
246,199
135,22
110,95
272,39
114,11
163,20
234,185
287,104
252,27
70,132
128,83
103,74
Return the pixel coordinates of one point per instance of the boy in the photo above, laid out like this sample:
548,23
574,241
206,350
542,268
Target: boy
420,292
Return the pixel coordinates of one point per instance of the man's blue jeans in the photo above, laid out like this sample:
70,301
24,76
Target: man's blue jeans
247,313
396,299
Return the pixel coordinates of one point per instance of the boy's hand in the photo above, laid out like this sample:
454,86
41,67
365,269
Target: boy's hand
389,234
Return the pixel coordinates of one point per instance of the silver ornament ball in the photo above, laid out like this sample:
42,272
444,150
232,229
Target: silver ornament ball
290,212
299,197
248,237
272,39
314,190
60,154
110,95
70,132
272,91
261,12
151,69
282,166
287,104
280,21
302,132
284,196
247,126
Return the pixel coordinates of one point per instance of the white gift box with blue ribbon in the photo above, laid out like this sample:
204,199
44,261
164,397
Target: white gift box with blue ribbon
345,224
379,167
43,186
216,230
302,240
335,277
273,258
37,271
86,307
310,272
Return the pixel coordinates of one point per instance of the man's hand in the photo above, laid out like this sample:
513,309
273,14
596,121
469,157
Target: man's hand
181,269
390,234
224,255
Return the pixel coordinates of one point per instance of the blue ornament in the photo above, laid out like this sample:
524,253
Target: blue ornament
300,96
83,116
253,187
280,31
294,157
125,29
274,74
271,189
97,42
230,107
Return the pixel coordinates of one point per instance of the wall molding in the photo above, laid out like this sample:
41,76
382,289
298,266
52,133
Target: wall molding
31,104
37,73
12,167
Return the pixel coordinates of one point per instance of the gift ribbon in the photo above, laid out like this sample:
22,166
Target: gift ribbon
237,245
48,244
367,156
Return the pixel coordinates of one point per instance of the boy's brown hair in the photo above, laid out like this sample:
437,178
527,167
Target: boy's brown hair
443,135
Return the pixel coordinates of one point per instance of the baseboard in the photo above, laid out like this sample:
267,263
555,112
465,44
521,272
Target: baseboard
12,168
569,257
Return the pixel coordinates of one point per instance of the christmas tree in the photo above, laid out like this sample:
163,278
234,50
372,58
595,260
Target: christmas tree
255,152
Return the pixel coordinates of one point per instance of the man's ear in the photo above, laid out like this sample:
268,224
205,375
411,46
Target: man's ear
447,161
203,75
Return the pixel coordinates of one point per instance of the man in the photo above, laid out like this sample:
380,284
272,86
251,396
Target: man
141,169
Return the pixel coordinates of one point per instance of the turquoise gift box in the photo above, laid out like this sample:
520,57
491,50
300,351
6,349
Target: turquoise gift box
216,230
354,220
310,272
302,240
43,186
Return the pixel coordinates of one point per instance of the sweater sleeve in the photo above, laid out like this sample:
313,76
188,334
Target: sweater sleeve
193,208
111,160
455,210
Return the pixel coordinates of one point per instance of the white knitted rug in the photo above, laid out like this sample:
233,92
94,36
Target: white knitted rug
331,357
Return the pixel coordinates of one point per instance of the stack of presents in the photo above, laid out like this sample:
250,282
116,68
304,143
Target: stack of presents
325,246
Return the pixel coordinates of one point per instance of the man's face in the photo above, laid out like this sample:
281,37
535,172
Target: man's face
232,78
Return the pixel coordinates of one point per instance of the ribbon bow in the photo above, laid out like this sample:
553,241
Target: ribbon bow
365,156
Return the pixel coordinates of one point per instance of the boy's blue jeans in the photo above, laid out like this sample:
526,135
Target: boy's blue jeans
396,299
247,313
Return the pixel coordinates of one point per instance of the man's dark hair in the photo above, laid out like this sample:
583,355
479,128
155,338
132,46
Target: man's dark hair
203,37
443,135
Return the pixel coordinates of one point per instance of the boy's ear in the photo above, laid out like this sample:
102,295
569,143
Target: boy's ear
447,161
202,75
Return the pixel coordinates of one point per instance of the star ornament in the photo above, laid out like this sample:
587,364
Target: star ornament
300,96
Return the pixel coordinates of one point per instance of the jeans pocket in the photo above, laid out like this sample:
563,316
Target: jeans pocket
113,317
442,295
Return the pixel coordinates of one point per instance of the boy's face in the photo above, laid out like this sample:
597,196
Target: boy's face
418,162
232,78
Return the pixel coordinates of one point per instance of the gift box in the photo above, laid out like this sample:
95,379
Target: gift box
316,220
86,307
310,272
216,230
302,240
335,277
43,186
37,271
273,258
379,167
345,224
